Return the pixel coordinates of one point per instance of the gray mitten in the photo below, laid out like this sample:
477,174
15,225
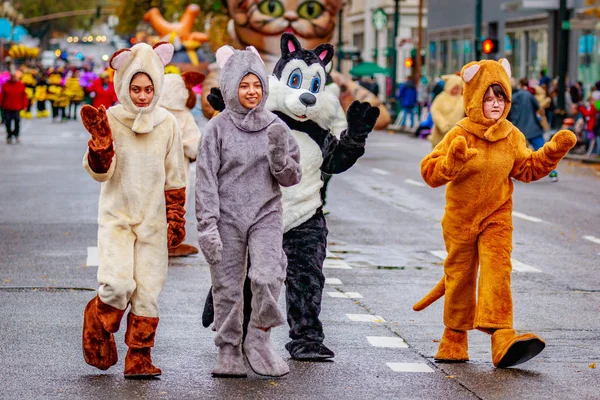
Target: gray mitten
211,247
278,146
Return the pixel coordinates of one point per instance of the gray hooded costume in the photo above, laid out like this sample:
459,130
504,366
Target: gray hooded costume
244,156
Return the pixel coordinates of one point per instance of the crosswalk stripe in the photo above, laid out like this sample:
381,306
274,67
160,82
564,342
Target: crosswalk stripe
348,295
92,257
336,264
526,217
415,183
409,367
365,318
592,239
380,171
516,264
387,341
333,281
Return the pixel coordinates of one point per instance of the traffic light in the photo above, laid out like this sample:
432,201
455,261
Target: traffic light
408,62
489,46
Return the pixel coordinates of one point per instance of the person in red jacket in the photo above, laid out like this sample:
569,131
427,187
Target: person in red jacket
104,91
13,99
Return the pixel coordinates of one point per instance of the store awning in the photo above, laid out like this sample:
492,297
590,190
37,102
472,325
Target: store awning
369,68
533,4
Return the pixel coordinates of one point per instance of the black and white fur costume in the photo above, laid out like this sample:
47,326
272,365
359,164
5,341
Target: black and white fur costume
298,97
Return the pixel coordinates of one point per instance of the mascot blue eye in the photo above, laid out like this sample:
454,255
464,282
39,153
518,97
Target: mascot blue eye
315,85
295,79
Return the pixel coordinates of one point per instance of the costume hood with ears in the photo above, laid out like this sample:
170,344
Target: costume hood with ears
235,65
177,93
128,62
478,77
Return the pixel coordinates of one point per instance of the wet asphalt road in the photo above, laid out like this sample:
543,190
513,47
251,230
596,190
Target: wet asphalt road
385,243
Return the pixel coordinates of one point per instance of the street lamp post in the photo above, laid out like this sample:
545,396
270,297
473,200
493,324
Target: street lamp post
478,12
563,39
340,42
395,50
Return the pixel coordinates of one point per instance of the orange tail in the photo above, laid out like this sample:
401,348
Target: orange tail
438,291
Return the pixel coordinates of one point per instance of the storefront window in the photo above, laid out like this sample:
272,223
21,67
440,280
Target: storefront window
454,56
537,52
442,68
512,50
589,58
431,59
467,52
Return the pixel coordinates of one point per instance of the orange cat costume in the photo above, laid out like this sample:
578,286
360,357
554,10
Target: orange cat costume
477,160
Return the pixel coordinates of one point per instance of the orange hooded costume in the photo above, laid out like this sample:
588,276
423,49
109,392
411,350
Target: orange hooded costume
477,160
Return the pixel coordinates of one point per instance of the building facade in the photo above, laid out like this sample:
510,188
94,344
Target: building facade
527,32
361,39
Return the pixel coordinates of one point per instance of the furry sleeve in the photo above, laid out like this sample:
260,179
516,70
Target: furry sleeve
174,160
437,167
190,134
340,154
207,182
533,165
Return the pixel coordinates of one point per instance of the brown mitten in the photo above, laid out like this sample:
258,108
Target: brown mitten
101,149
562,142
458,155
175,200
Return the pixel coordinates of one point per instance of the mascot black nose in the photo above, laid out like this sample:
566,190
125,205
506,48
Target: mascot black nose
308,99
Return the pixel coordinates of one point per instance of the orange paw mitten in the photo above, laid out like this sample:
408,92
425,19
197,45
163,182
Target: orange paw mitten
101,149
562,142
458,155
175,200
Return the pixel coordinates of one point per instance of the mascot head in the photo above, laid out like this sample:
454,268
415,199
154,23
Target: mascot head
298,83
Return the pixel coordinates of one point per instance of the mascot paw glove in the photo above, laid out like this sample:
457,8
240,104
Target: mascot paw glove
361,119
175,201
562,142
215,98
211,247
96,123
458,155
278,146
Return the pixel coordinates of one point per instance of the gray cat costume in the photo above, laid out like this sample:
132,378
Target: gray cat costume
244,157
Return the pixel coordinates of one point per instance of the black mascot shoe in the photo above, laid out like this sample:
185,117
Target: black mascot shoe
309,351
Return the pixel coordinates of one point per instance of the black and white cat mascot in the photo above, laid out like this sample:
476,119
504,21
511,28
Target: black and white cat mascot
298,96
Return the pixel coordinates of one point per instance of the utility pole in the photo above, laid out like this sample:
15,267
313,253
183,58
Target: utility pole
419,45
563,40
478,17
395,51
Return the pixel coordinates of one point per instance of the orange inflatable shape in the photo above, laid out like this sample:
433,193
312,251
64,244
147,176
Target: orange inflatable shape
183,28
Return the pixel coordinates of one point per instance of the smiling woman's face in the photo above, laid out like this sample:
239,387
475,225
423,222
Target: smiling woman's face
141,90
250,91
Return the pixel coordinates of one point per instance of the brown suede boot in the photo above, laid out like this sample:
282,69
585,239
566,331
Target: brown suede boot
100,321
140,339
183,250
510,349
453,347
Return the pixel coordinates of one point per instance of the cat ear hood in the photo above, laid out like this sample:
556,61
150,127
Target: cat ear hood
478,76
128,62
235,65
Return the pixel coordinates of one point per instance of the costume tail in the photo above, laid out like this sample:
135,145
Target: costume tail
438,291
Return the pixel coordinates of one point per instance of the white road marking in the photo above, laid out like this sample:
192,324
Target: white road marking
380,171
92,257
333,281
347,295
526,217
365,318
416,183
387,341
516,264
592,239
336,264
409,367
